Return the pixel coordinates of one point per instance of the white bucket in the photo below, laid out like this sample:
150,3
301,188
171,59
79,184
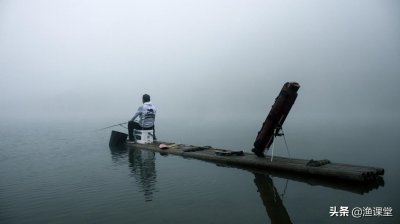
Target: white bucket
143,136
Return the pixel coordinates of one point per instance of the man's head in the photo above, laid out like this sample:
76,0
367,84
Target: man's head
146,98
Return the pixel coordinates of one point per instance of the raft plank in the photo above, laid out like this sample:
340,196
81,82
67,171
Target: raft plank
299,166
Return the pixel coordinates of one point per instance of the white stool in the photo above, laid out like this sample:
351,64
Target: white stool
143,136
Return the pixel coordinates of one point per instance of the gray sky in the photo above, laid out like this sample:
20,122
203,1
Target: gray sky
205,59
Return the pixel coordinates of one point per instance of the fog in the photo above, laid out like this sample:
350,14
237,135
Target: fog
203,60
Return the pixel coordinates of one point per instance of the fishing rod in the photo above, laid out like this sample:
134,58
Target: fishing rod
120,124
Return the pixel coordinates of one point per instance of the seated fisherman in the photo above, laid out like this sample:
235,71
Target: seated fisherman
146,115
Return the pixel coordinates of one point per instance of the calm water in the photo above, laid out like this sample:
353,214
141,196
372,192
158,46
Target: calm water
67,174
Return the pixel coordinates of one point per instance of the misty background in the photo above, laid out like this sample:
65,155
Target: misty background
202,62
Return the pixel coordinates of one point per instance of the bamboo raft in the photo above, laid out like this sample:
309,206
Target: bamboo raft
314,168
271,128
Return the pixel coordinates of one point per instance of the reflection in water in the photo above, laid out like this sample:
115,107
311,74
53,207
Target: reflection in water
271,199
119,154
142,166
349,186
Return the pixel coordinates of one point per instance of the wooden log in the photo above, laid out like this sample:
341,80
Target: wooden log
276,117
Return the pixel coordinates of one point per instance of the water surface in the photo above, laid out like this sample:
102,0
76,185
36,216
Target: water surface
66,173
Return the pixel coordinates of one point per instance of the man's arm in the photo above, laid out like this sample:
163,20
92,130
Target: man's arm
138,112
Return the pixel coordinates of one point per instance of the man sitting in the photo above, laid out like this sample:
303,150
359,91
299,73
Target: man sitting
146,115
